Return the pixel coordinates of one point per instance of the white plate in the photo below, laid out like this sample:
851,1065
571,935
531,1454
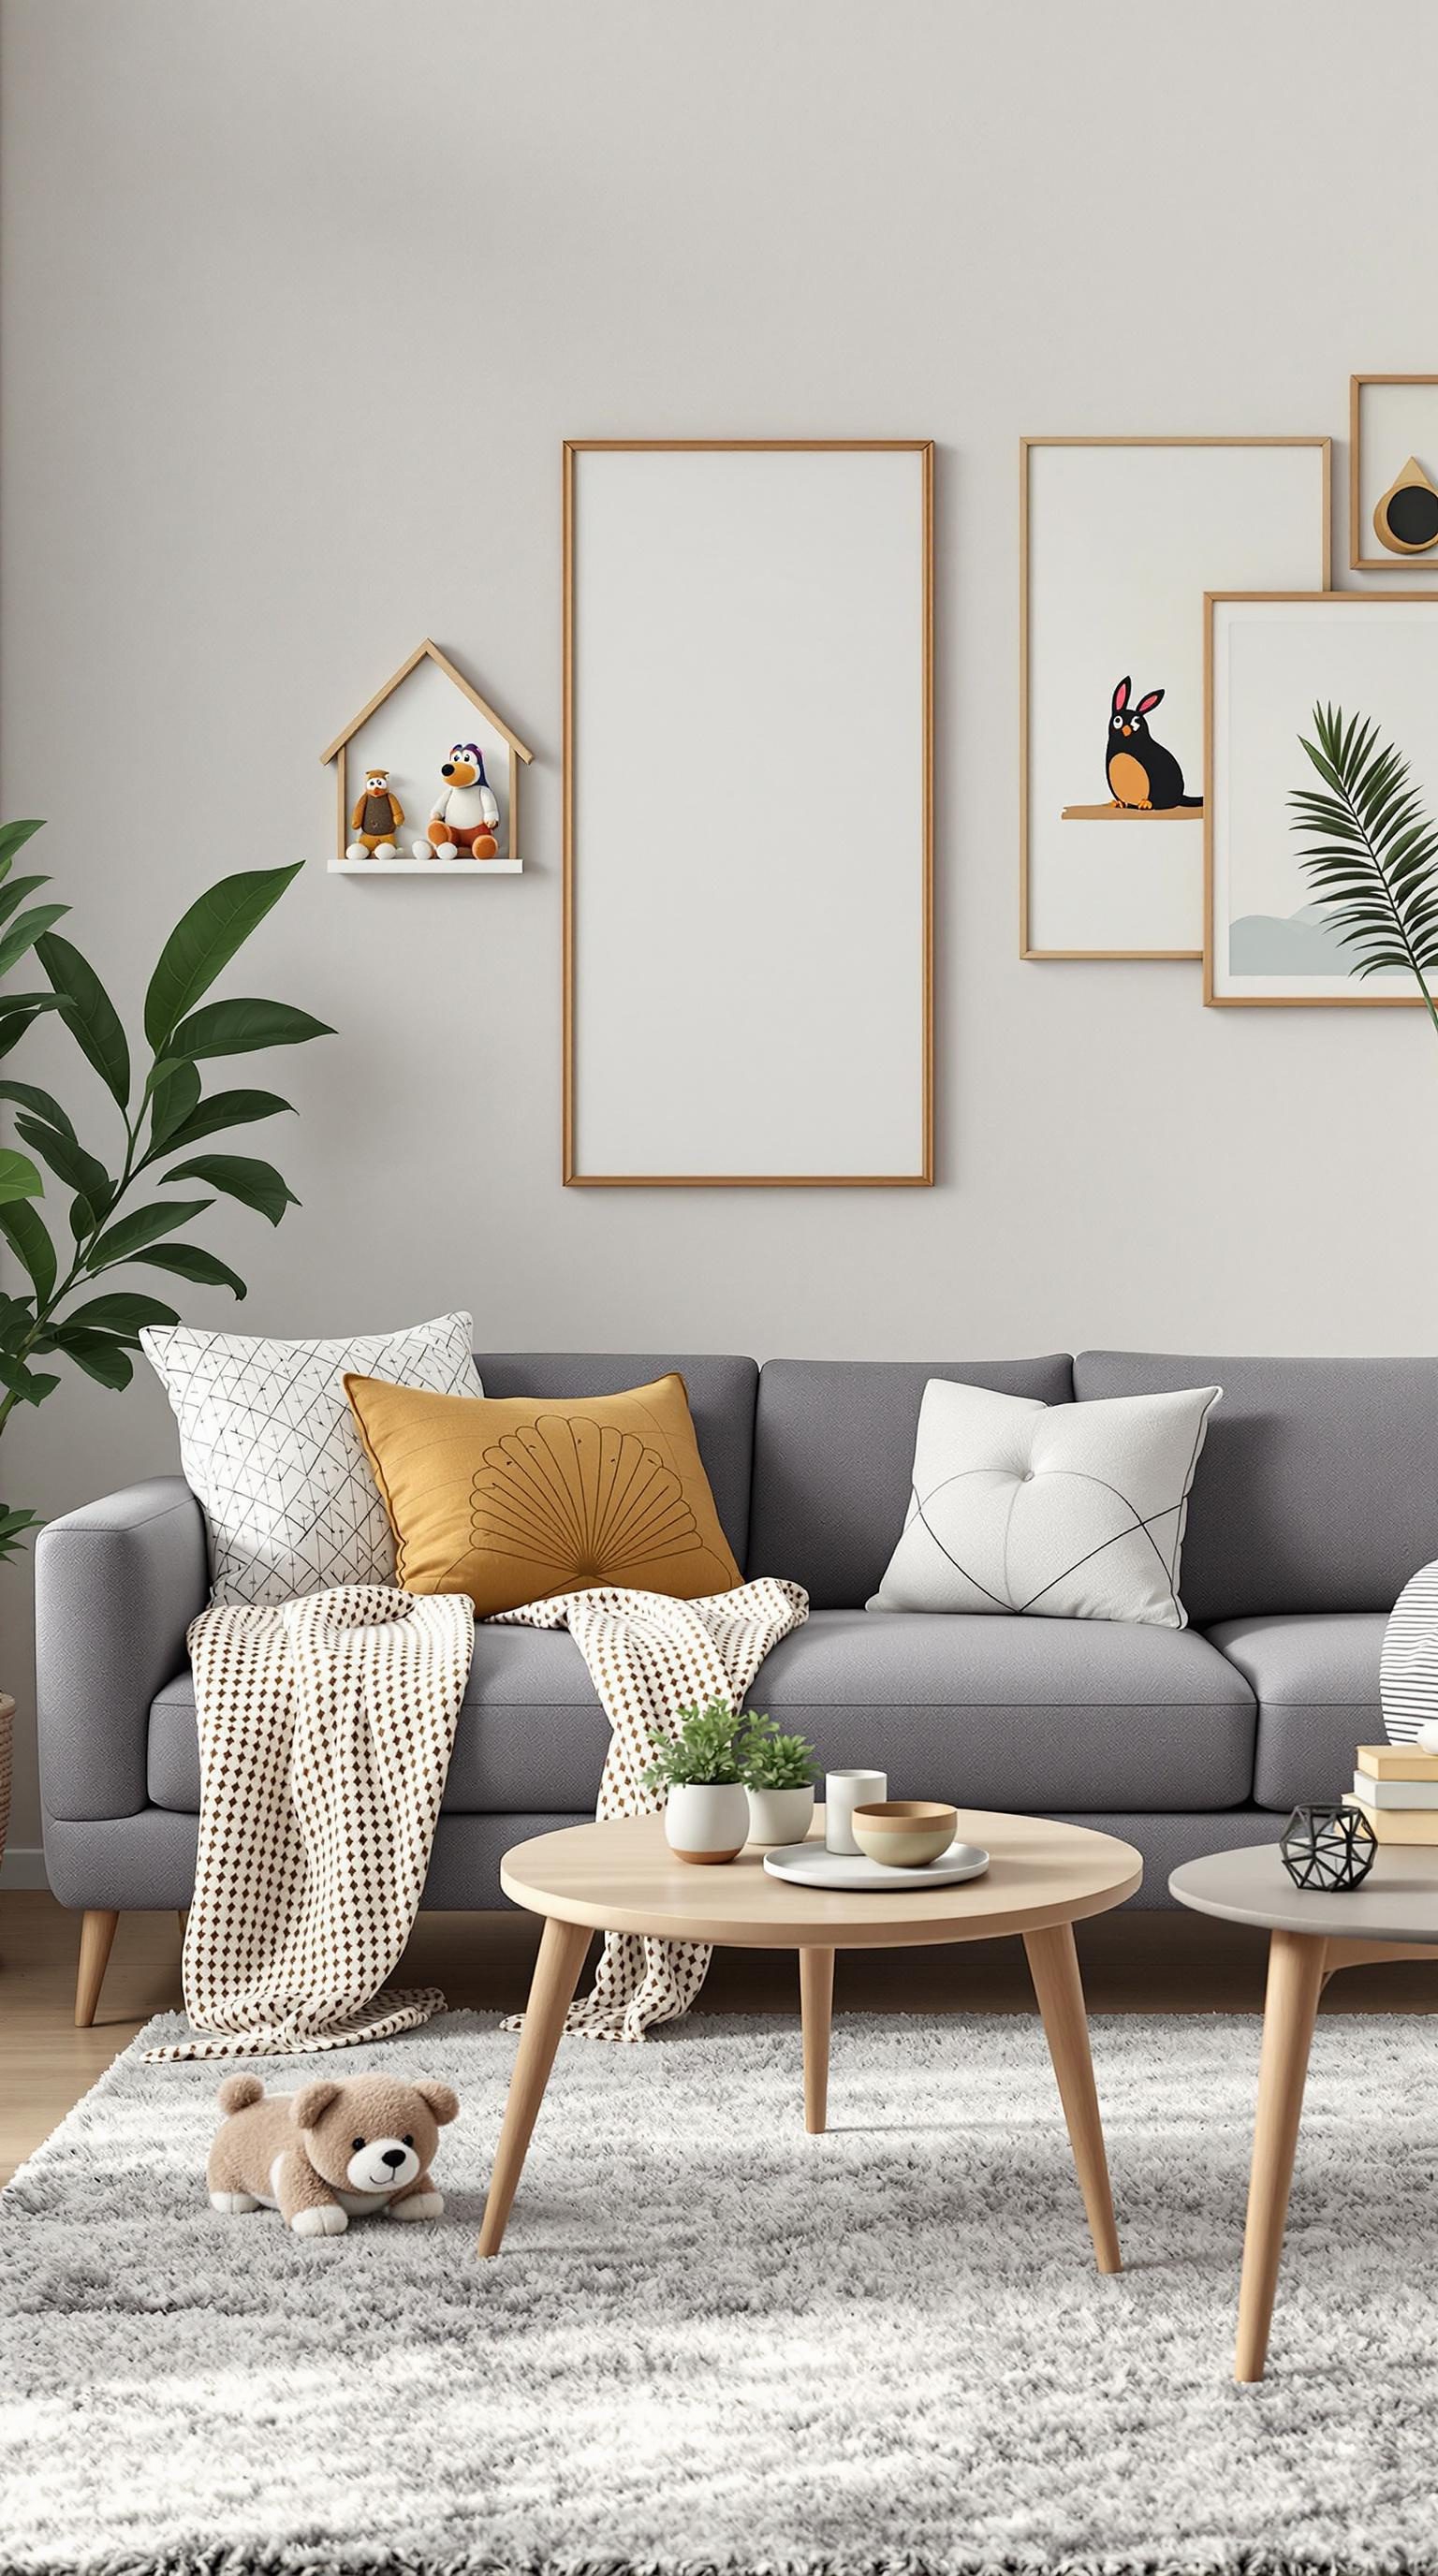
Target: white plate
810,1865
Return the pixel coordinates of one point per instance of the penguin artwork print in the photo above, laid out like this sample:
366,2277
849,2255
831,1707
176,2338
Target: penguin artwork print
1143,777
464,820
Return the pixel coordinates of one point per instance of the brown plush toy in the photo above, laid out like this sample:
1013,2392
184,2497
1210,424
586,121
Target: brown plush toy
333,2152
375,819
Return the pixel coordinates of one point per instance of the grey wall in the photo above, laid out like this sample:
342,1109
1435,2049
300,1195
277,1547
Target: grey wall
298,304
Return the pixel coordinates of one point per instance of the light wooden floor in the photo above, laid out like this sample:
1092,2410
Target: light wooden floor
1131,1963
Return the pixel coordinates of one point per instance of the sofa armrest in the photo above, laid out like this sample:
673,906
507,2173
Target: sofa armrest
116,1586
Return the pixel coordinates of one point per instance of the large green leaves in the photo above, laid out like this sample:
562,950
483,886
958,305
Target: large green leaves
171,1103
90,1015
17,1322
27,1386
1372,854
100,1355
142,1226
240,1027
13,837
13,1526
202,944
68,1159
123,1311
15,892
240,1176
42,1104
25,1232
190,1261
223,1109
21,936
13,1028
17,1010
170,1119
18,1177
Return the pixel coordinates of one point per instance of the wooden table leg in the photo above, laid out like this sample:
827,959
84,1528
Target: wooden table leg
816,2002
1054,1967
1296,1963
556,1974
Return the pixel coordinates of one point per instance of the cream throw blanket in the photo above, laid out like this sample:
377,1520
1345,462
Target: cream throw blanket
325,1734
648,1658
326,1727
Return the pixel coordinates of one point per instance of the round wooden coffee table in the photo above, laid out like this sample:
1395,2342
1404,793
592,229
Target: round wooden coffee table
622,1877
1312,1934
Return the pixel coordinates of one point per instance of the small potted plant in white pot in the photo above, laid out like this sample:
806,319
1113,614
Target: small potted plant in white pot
706,1812
778,1772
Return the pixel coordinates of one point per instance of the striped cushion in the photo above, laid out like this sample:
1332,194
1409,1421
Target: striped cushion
1408,1674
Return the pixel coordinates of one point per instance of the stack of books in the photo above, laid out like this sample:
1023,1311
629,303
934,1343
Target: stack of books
1396,1787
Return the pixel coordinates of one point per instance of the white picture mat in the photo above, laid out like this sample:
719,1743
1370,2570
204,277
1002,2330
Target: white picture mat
1394,423
1123,542
410,735
748,751
1272,660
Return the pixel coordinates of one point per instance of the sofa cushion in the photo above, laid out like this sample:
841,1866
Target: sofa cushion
1029,1714
1315,1678
514,1498
530,1734
1318,1485
721,1391
1035,1716
834,1456
1055,1511
269,1447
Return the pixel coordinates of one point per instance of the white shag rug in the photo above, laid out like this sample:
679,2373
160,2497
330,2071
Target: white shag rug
711,2342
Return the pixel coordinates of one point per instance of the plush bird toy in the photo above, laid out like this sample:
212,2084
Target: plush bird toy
465,819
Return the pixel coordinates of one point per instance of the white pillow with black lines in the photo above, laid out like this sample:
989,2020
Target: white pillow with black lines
1055,1511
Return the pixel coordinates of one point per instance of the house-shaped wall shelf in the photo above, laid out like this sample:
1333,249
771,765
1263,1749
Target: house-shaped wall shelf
407,728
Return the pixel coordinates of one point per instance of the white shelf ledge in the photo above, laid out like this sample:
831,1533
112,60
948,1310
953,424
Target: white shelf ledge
426,867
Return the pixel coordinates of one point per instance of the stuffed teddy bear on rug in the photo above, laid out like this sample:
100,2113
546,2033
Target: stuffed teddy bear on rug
333,2152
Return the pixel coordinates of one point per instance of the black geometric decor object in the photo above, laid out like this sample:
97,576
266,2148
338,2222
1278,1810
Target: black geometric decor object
1328,1848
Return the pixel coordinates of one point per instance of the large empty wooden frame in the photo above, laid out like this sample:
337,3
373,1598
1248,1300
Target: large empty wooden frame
748,814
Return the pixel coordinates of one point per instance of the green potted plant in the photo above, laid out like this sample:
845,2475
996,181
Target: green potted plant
158,1117
778,1772
706,1810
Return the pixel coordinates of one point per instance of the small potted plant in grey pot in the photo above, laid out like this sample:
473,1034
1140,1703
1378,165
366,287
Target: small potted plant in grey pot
706,1812
778,1772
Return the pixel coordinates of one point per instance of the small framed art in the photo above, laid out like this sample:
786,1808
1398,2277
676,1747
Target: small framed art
1271,661
1120,539
1393,473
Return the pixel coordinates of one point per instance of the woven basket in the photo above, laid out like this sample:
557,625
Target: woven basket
7,1744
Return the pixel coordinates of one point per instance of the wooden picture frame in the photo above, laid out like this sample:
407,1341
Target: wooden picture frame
1363,487
815,1059
1401,605
1177,902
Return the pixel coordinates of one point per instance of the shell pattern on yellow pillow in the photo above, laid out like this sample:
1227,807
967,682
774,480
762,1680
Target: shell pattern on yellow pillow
512,1499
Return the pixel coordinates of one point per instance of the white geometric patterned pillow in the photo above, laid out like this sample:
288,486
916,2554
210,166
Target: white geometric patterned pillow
269,1448
1065,1511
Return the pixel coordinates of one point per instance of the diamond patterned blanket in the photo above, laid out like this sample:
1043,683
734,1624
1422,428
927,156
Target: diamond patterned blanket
325,1726
649,1657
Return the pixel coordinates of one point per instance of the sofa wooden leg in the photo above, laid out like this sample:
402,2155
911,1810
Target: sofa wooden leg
97,1931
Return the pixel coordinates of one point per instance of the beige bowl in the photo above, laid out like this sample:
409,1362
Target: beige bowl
905,1832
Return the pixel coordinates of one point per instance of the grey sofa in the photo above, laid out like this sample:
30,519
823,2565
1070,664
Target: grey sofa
1316,1498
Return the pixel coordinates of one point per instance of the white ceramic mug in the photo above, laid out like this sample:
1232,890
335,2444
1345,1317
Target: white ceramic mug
843,1792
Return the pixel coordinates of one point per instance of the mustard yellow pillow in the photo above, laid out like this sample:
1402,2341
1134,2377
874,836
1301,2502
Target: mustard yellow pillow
510,1498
